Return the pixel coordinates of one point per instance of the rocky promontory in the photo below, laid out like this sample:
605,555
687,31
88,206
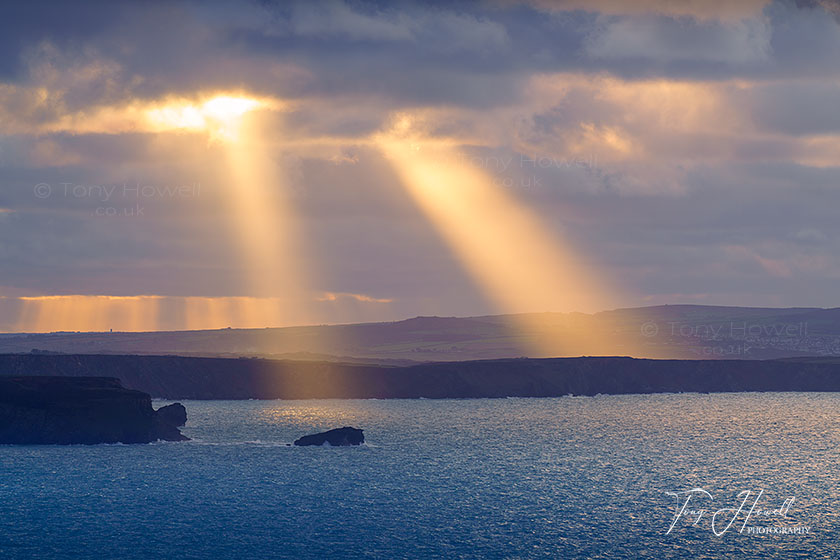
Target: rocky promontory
82,410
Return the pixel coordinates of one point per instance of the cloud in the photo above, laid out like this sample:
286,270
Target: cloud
416,25
830,6
668,40
470,55
797,108
42,110
701,9
332,296
99,313
810,235
337,18
671,130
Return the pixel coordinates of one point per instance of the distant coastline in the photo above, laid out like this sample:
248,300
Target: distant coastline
671,332
176,377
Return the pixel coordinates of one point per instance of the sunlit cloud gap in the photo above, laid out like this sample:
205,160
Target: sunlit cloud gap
241,312
517,262
88,313
100,313
220,116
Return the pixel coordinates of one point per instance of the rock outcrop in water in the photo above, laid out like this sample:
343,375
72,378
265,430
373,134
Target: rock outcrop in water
174,414
81,410
337,437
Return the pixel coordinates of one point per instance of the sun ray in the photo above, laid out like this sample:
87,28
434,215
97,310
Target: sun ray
515,260
88,313
261,210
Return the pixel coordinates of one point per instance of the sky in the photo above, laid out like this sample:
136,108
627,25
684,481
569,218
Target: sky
176,165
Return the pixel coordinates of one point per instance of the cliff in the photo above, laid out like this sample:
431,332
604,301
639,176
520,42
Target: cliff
80,410
174,377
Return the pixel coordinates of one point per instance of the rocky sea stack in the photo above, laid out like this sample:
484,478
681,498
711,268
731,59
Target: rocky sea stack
174,414
82,410
337,437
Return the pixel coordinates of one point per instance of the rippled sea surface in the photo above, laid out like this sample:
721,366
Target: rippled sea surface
510,478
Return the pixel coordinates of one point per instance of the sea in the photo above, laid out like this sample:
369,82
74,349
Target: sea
711,476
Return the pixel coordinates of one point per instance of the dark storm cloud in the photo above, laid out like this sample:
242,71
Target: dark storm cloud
411,53
462,53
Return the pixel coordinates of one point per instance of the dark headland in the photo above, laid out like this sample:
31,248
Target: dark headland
82,410
173,377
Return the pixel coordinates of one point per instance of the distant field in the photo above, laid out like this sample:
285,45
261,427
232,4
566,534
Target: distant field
675,332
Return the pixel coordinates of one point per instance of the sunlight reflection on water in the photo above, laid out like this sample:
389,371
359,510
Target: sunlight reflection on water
506,478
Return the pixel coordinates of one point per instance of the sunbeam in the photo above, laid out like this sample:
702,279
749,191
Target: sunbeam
88,313
261,213
514,259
